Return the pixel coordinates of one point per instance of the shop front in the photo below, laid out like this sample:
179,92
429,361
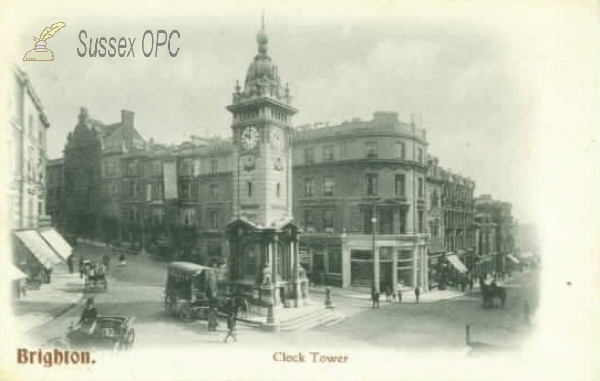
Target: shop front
395,260
35,256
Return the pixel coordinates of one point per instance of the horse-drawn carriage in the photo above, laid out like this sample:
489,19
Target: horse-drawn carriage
191,291
493,295
106,333
94,275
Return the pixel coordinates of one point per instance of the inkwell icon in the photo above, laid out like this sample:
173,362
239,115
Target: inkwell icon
40,52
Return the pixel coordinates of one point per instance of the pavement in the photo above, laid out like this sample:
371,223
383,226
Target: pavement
408,293
38,307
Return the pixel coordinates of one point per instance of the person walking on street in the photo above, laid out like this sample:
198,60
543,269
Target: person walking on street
399,295
212,320
106,261
70,264
417,294
81,269
231,322
375,297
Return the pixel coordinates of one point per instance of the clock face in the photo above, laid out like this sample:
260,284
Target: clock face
249,137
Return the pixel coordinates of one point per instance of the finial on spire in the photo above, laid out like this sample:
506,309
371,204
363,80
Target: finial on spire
261,37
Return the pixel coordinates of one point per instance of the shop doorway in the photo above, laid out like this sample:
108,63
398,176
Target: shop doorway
361,268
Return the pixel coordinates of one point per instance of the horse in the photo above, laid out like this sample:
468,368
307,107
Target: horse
491,294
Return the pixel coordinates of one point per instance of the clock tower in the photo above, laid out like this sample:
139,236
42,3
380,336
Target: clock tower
261,124
263,265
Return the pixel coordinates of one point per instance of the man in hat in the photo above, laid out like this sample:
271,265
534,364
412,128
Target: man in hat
89,315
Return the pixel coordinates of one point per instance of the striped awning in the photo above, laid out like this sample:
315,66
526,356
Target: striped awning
456,262
57,242
34,242
14,273
513,258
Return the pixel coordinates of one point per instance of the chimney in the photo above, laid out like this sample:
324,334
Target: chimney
385,116
127,122
127,118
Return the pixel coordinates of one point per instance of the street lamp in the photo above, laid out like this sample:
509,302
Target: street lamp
373,225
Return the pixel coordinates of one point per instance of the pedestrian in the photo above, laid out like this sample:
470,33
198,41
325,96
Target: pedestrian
81,268
212,320
399,295
70,264
231,328
375,296
470,285
417,294
106,261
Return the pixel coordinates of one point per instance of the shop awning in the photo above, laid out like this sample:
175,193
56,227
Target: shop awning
39,248
513,258
14,273
456,262
58,243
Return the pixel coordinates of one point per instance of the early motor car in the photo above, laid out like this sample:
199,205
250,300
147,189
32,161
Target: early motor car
106,333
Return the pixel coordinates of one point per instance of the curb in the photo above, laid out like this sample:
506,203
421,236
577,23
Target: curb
60,312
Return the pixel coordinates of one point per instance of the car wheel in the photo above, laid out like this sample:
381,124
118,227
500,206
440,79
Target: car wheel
129,340
185,314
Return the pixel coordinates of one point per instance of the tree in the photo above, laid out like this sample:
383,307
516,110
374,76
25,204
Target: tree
82,171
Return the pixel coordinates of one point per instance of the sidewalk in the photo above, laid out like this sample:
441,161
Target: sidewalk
408,293
50,301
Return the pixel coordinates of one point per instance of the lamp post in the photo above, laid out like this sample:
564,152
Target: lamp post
373,226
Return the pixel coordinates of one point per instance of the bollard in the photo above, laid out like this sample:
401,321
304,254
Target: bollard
328,303
468,332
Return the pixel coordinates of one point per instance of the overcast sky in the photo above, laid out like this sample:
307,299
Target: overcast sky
474,84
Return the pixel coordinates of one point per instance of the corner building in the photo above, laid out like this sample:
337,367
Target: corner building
359,197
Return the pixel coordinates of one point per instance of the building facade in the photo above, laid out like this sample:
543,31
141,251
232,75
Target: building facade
499,213
28,127
451,218
360,199
36,248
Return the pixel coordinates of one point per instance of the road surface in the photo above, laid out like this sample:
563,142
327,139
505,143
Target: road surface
137,290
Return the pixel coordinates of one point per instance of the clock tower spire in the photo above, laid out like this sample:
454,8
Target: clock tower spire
262,117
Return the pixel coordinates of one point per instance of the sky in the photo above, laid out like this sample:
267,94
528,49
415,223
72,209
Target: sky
472,83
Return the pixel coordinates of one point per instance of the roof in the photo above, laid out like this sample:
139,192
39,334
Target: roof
188,267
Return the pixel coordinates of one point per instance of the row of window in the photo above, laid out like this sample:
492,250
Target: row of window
461,241
322,221
187,167
370,186
452,219
188,217
370,152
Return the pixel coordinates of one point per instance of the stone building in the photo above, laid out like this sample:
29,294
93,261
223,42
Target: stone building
36,246
28,126
451,219
500,214
360,199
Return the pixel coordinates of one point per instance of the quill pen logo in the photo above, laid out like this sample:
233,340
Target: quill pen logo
40,52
